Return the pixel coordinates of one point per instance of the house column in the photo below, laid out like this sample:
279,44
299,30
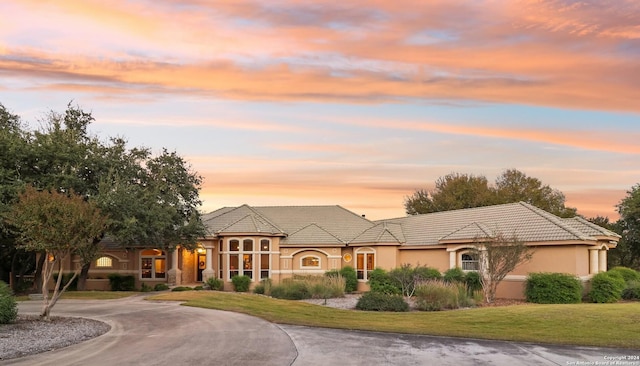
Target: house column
208,271
174,274
452,260
602,258
593,261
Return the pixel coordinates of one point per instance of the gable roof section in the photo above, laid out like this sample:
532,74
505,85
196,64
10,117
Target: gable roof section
313,234
471,231
340,222
388,233
242,219
303,224
527,222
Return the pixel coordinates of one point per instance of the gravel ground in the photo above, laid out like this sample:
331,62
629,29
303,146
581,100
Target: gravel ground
28,335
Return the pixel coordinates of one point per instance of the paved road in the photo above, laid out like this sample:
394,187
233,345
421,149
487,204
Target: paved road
165,333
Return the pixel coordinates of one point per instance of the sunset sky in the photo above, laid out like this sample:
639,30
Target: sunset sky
355,103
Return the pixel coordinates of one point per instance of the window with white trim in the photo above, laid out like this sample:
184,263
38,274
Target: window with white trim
365,263
265,258
104,262
153,264
310,261
469,262
241,258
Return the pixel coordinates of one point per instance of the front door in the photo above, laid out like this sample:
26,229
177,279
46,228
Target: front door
202,258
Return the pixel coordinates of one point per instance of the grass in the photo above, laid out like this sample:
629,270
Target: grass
88,295
602,325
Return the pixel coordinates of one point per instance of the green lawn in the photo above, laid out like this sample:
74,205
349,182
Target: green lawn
88,295
603,325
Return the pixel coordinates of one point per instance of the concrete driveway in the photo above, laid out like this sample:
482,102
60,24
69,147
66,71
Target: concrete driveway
165,333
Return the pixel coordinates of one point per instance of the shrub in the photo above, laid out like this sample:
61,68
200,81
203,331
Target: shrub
606,287
290,290
472,280
198,288
181,288
553,288
8,306
377,301
264,287
632,292
627,273
119,282
422,273
161,287
379,281
215,283
145,288
65,279
350,278
241,283
454,275
435,295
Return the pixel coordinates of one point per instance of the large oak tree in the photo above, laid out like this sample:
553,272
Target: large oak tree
455,191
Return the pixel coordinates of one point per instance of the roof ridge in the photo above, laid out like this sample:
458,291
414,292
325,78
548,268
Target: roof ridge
554,220
448,211
266,220
233,223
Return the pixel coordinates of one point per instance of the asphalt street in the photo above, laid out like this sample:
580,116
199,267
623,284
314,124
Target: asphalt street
166,333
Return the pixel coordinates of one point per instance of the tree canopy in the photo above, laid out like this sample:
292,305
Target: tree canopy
627,253
150,199
58,225
455,191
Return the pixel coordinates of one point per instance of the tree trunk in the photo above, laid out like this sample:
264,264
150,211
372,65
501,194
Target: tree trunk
82,278
37,276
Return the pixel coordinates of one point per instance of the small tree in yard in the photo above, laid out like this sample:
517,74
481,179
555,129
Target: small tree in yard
497,256
58,225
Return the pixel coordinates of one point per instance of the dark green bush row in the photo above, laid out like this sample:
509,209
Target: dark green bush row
628,274
8,306
553,288
182,288
632,292
119,282
376,301
380,281
160,287
241,283
65,279
290,290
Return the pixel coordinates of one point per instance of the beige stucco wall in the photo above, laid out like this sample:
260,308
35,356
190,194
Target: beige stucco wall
437,258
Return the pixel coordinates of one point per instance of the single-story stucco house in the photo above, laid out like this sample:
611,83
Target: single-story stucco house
279,241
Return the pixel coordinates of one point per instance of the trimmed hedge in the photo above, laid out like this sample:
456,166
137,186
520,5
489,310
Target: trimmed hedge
119,282
607,287
376,301
65,279
8,306
627,273
241,283
632,292
553,288
181,288
160,287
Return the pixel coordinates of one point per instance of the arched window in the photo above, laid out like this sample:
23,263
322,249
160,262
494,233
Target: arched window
310,261
104,262
469,262
365,262
153,264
